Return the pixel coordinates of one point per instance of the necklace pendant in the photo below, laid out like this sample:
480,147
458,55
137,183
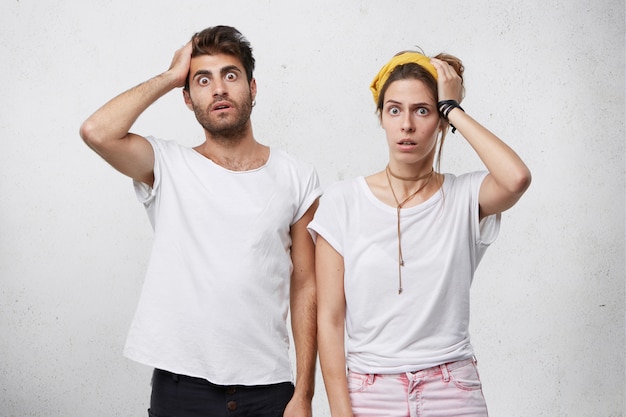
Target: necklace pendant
401,262
399,290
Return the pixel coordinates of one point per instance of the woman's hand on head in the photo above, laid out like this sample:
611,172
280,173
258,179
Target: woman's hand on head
449,83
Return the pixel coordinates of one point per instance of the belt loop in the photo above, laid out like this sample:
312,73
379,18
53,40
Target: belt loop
175,377
444,372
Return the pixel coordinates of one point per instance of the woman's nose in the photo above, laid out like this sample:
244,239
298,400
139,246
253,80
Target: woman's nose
407,124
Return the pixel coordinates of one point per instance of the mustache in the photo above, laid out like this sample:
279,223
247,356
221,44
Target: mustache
222,98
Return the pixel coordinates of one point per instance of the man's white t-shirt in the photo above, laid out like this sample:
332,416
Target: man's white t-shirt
216,294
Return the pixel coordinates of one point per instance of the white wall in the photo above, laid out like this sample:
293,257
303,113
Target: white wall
547,76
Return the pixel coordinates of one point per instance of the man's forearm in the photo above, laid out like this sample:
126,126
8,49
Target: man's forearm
114,120
304,325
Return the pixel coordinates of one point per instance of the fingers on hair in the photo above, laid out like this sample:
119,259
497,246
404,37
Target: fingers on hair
453,61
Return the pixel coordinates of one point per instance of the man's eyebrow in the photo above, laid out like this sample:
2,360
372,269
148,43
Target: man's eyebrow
230,68
225,70
202,72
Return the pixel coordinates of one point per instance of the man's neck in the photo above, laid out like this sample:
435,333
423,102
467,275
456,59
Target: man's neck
242,154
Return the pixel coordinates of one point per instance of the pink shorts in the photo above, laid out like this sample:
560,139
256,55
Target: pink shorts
452,389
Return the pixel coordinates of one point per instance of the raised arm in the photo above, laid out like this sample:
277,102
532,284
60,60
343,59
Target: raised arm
107,130
331,315
508,176
303,315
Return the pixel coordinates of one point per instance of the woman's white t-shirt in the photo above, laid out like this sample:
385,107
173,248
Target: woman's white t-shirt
442,244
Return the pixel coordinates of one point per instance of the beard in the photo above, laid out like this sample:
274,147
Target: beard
223,128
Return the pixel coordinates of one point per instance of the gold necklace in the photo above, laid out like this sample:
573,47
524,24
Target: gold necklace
399,206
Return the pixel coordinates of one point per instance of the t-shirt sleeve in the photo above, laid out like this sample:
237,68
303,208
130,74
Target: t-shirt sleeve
309,191
328,221
486,230
146,194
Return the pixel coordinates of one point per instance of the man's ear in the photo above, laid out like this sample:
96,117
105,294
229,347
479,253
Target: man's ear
187,98
253,88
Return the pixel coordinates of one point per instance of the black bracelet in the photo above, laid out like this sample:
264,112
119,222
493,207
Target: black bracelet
445,107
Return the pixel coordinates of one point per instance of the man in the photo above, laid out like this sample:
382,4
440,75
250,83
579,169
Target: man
231,250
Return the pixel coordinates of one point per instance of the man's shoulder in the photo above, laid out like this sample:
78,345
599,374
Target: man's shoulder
281,154
285,159
164,143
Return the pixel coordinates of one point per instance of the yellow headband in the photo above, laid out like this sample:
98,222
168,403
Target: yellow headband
404,58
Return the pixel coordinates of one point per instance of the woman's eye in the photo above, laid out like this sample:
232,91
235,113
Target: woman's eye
394,111
231,76
422,111
204,81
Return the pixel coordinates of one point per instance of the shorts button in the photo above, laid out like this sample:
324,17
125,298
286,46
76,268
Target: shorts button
231,390
231,405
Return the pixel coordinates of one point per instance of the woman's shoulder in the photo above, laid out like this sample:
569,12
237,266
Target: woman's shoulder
343,189
465,178
345,185
463,184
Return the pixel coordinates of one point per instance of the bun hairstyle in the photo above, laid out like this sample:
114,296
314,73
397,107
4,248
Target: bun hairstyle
453,61
411,65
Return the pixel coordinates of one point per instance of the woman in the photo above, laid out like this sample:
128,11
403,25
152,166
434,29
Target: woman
396,253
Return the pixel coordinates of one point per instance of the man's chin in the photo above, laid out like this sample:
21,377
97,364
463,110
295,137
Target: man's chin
230,133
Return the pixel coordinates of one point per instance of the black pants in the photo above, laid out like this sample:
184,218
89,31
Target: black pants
184,396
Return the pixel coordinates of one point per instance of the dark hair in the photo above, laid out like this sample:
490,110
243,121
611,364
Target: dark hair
223,40
417,72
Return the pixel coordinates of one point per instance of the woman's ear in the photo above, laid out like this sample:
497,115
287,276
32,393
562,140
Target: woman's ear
443,125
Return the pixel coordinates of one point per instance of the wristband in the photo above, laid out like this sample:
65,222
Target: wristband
445,107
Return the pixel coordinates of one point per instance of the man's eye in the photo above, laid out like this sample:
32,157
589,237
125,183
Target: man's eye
204,81
231,76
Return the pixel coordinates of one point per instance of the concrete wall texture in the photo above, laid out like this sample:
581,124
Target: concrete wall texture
546,76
